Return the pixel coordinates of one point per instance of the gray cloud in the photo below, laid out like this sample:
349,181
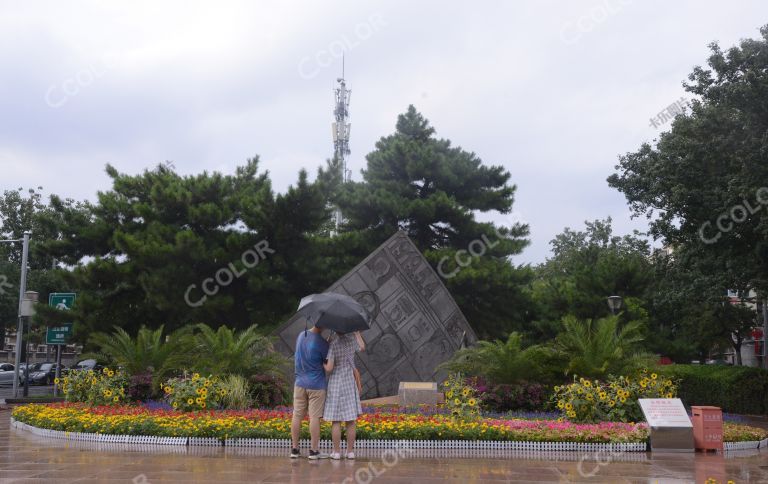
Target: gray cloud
207,85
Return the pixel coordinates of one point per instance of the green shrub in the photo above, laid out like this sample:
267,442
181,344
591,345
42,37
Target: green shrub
105,387
268,391
735,389
614,400
460,397
195,393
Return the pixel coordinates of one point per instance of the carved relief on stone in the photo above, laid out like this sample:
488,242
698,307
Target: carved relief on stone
416,325
398,309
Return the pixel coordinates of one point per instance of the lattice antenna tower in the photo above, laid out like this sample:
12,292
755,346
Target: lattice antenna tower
341,129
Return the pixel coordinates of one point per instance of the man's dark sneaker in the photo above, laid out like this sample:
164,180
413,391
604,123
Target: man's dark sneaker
295,453
316,454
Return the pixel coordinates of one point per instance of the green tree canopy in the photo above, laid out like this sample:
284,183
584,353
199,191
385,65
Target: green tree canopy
185,249
585,268
702,185
432,190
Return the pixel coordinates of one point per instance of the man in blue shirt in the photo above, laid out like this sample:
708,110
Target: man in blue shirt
309,389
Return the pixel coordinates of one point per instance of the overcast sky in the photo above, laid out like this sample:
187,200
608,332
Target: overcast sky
553,91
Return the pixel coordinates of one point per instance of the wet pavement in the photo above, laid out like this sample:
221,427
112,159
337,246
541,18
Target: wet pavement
26,458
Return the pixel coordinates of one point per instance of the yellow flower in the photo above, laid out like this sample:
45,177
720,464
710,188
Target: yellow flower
175,404
472,402
571,414
105,370
198,400
116,399
569,406
668,395
195,376
202,405
167,389
588,384
466,391
449,394
603,395
654,375
56,381
456,401
611,403
623,399
107,393
190,401
590,397
560,404
110,373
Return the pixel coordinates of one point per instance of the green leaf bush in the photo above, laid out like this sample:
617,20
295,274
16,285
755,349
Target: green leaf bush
460,397
735,389
614,400
106,387
195,393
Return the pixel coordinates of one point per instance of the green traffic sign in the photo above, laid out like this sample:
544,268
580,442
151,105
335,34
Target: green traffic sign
58,335
61,300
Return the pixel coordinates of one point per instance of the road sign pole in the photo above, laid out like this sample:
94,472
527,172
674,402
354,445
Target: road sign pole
58,371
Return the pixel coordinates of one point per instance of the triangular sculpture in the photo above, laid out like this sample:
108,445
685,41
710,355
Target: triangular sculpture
416,323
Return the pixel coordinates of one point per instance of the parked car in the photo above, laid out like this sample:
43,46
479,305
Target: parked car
86,365
44,375
6,374
23,368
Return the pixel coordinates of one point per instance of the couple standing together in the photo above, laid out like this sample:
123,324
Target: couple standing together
335,398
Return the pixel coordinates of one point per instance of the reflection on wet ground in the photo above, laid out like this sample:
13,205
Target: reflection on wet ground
25,458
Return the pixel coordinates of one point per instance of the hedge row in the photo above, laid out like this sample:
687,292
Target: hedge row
735,389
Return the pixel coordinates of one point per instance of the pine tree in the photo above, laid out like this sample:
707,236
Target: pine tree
428,188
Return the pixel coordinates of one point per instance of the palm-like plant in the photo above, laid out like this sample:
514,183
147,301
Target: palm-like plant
498,361
149,351
597,348
224,351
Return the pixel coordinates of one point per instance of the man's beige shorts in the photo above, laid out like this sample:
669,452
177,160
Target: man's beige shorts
308,400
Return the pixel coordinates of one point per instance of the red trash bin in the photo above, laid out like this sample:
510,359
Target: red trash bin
707,428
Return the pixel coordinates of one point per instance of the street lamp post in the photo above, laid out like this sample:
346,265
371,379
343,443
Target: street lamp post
614,303
27,311
22,290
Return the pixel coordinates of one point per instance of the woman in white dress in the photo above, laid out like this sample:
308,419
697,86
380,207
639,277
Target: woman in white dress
342,399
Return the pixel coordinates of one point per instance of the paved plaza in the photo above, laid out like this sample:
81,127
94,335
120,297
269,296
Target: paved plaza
25,458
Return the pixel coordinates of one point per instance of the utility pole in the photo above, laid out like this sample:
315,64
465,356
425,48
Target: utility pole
341,128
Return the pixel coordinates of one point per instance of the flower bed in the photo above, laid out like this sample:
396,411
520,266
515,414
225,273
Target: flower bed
275,424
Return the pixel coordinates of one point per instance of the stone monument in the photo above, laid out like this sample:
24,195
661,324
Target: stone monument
415,323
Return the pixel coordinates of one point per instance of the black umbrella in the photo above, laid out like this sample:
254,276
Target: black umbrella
337,312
